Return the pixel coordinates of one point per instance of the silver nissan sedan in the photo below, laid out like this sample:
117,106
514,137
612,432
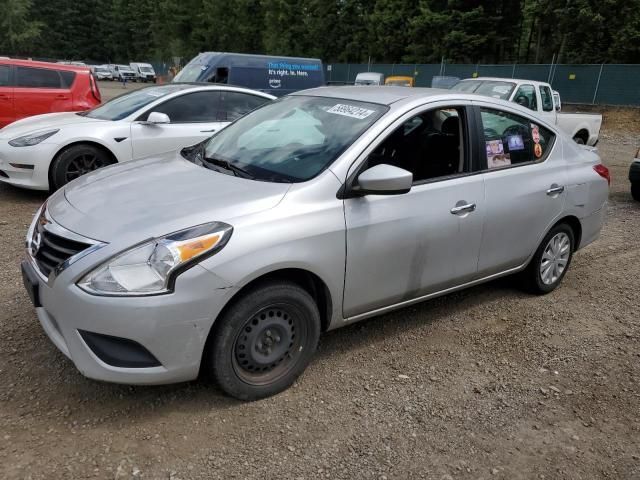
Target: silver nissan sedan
321,209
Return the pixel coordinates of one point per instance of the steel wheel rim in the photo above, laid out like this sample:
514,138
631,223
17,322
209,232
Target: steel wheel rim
555,258
82,164
269,344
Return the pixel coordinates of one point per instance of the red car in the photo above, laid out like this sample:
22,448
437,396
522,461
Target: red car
31,88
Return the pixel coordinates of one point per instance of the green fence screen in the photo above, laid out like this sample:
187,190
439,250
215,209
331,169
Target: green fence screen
586,84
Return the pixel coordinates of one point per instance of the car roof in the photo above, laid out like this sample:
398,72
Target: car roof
384,95
33,63
247,59
175,87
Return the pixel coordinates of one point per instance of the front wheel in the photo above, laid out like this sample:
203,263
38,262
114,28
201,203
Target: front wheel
264,341
75,161
635,191
551,261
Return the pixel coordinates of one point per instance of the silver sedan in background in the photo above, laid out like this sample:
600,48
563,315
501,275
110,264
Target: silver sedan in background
323,208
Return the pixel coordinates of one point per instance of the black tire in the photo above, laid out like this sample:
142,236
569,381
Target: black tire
75,161
264,341
532,276
635,191
578,140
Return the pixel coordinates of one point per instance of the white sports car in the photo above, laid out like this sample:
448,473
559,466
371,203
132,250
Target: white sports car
47,151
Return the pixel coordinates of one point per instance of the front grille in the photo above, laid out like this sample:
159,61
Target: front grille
54,250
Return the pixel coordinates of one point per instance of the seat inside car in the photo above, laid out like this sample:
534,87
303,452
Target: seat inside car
426,145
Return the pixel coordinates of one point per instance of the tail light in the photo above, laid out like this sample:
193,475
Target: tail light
603,172
95,91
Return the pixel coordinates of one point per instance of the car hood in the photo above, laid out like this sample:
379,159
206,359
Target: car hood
156,196
43,122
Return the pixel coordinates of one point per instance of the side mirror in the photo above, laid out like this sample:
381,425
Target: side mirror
384,180
157,118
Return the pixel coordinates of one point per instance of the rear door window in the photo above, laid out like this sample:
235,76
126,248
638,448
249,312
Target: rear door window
197,107
67,78
512,140
28,77
234,105
5,75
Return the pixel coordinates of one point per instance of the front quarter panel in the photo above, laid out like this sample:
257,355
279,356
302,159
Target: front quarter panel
305,231
114,136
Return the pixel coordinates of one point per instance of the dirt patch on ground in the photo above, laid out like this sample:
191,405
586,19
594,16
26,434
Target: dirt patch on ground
485,383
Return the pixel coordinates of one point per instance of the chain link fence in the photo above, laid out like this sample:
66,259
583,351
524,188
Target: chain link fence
584,84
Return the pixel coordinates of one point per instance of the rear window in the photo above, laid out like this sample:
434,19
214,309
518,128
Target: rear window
235,104
125,105
28,77
489,88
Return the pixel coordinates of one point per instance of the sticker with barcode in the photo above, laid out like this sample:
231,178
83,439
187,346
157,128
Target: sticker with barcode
350,111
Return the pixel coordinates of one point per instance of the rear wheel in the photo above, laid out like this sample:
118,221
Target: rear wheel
635,191
264,341
551,261
578,140
75,161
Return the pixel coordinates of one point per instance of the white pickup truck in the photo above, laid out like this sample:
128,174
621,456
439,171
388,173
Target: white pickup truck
584,128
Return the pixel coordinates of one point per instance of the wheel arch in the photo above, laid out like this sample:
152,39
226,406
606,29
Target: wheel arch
583,134
92,143
574,224
304,278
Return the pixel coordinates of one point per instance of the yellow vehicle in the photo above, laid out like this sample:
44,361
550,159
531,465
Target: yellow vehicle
400,81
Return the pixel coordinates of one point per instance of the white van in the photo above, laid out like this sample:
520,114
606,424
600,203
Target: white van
144,72
369,78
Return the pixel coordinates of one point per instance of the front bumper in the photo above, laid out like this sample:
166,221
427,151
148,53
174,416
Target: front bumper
173,327
634,171
26,167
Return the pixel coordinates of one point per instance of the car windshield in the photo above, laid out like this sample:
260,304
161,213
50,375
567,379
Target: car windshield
292,139
489,88
124,105
146,69
124,68
190,73
102,69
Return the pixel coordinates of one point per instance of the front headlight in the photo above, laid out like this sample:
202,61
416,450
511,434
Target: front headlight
150,268
32,139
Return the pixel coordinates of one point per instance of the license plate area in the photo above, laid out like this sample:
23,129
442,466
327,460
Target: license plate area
31,283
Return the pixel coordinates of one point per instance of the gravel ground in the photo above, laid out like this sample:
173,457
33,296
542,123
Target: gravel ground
482,384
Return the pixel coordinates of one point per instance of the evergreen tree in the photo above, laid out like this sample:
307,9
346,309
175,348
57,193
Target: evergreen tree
18,31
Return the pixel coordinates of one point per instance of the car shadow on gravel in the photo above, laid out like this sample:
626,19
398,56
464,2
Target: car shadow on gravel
105,402
11,194
430,312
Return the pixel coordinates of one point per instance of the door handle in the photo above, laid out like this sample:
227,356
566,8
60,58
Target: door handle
555,190
468,208
208,131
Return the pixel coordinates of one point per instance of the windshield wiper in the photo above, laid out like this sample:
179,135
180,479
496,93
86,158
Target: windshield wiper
237,171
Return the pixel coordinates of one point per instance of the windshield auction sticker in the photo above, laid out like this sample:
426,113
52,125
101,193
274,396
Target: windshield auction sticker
350,111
